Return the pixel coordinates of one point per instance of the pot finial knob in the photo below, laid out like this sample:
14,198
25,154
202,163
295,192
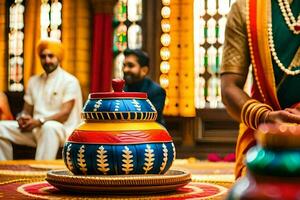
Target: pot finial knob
118,85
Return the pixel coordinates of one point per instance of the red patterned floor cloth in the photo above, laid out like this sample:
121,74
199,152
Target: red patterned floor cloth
26,180
43,190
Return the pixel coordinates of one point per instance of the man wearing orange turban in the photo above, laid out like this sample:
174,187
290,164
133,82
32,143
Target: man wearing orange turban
51,111
54,46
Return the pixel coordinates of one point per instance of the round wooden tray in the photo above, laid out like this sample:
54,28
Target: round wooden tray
121,184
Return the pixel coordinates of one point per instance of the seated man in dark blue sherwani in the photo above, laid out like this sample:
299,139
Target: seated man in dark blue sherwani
135,69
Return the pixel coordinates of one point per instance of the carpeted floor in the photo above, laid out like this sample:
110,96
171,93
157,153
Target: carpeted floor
26,180
220,173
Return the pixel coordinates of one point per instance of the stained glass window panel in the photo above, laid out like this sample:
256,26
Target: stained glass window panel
15,46
127,30
134,10
120,11
51,19
209,32
118,63
134,37
120,38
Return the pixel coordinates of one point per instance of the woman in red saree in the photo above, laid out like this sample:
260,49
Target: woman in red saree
266,35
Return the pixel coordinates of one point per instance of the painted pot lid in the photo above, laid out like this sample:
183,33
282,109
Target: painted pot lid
118,86
118,105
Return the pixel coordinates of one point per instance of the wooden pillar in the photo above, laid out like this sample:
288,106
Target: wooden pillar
188,129
151,35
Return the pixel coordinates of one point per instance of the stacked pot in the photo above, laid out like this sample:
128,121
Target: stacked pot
119,135
273,166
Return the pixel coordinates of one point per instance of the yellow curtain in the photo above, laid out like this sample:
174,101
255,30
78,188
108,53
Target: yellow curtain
32,63
3,47
76,38
186,69
180,92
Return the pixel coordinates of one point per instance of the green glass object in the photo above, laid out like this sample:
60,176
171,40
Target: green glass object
213,69
121,11
218,64
217,31
205,60
115,41
269,162
205,32
124,8
120,38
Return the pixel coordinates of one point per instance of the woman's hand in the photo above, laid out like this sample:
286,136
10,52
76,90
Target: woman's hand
295,111
288,115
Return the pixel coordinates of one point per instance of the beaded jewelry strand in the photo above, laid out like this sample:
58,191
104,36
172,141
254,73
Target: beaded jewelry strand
289,18
286,70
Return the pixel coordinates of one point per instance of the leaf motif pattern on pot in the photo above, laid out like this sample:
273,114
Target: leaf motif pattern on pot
174,151
81,160
154,158
152,107
165,158
127,161
149,158
117,105
136,105
102,163
68,158
97,105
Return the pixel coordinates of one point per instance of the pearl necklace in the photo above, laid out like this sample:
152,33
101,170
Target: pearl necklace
286,70
289,18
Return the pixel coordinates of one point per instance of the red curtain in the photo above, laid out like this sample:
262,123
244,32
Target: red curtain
102,55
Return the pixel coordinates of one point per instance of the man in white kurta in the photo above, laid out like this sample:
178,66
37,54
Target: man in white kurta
52,107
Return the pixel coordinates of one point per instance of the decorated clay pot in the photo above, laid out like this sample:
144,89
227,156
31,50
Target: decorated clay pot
251,187
273,167
119,135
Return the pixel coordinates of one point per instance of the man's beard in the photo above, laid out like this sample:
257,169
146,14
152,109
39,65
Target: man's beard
49,68
131,78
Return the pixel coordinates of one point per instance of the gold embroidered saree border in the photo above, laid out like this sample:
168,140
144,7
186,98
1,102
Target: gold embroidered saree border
258,17
263,18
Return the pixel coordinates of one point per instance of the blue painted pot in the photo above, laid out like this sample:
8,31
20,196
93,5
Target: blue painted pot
119,135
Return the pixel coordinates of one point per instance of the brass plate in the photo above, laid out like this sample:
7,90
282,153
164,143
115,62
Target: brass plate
124,184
